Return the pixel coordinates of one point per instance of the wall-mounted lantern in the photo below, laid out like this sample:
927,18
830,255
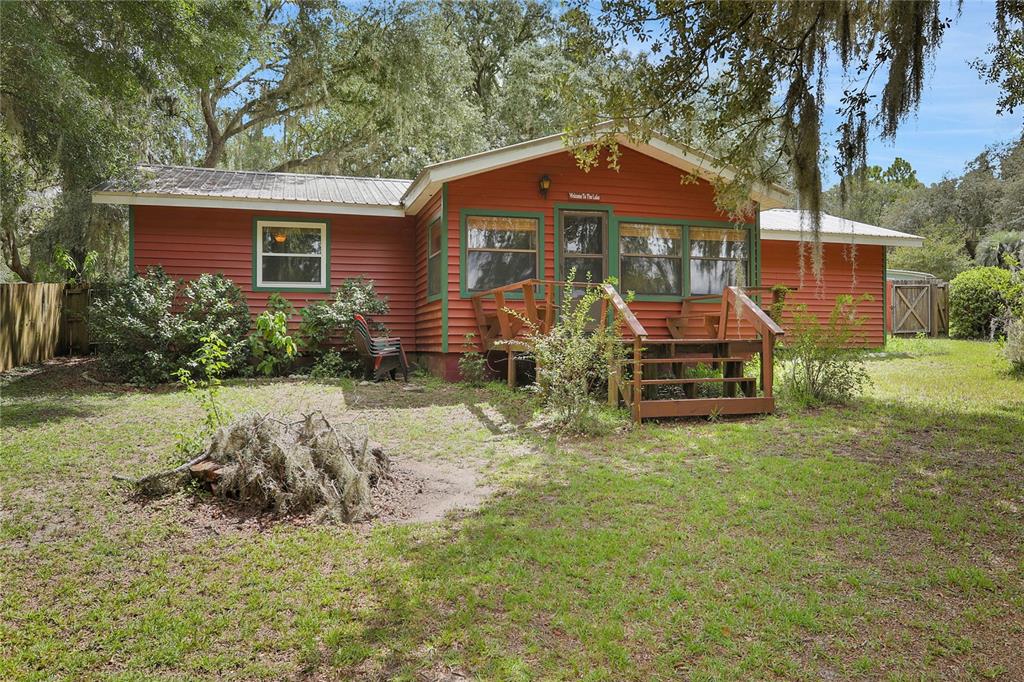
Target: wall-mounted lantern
545,185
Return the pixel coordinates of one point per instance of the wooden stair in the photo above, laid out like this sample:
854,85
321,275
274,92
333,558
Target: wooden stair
661,365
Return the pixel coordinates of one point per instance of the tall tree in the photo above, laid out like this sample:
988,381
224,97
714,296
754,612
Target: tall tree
84,89
738,74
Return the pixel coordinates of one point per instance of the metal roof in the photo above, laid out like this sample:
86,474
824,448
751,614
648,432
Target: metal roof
794,224
216,183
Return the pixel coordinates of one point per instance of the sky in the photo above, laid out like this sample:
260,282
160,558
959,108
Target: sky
957,118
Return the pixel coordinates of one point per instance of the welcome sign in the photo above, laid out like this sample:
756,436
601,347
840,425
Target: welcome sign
584,196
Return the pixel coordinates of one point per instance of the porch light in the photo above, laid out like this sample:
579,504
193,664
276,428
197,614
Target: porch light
280,237
545,185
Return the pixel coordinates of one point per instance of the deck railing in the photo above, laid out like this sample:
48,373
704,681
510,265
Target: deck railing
503,329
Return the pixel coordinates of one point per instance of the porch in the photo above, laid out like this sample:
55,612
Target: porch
681,375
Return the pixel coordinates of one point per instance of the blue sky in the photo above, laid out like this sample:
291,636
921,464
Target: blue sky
957,118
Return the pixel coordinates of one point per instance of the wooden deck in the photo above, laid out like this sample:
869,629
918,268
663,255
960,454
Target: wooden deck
663,377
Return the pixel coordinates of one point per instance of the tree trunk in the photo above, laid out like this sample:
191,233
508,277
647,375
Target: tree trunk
14,258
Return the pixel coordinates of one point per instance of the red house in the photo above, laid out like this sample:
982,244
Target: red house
476,223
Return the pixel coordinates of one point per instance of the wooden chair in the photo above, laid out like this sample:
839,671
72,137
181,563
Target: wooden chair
382,357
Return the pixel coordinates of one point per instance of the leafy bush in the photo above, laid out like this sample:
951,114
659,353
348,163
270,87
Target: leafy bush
323,319
573,359
472,364
334,365
215,306
139,339
142,339
271,344
977,301
819,367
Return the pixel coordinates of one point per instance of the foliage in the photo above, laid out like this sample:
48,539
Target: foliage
778,304
71,271
573,358
870,192
939,256
86,86
472,363
212,361
957,214
995,247
214,305
1013,347
334,365
819,366
142,339
766,96
1006,68
139,338
977,301
272,346
322,320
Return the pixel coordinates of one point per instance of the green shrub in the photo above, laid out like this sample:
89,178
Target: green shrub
472,364
322,320
272,346
334,365
977,301
142,339
216,307
818,365
138,337
572,360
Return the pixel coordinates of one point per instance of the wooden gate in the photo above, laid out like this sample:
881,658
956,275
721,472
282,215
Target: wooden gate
920,307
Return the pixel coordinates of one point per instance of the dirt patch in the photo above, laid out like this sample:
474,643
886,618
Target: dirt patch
422,491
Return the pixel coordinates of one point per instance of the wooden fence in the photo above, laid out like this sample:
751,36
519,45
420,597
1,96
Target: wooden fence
30,323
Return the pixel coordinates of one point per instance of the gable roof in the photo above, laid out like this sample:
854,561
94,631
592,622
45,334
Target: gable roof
792,224
214,187
688,159
218,188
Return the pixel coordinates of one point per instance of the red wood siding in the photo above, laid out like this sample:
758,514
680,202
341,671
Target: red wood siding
428,314
645,187
190,241
846,270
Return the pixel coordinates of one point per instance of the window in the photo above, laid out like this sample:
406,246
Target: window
718,258
291,254
651,258
500,250
434,258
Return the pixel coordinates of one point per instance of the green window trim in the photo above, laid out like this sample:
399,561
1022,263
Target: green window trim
256,286
131,240
465,214
684,262
432,226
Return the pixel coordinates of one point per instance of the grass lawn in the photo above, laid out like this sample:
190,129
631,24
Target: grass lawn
883,540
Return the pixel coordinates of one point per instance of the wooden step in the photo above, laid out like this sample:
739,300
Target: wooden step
696,380
703,407
689,360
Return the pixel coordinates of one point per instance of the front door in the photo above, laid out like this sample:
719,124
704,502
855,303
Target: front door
585,248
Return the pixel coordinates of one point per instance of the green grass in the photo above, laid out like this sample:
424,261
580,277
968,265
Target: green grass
881,540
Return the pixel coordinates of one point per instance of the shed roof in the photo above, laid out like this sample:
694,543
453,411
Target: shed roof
183,185
793,225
